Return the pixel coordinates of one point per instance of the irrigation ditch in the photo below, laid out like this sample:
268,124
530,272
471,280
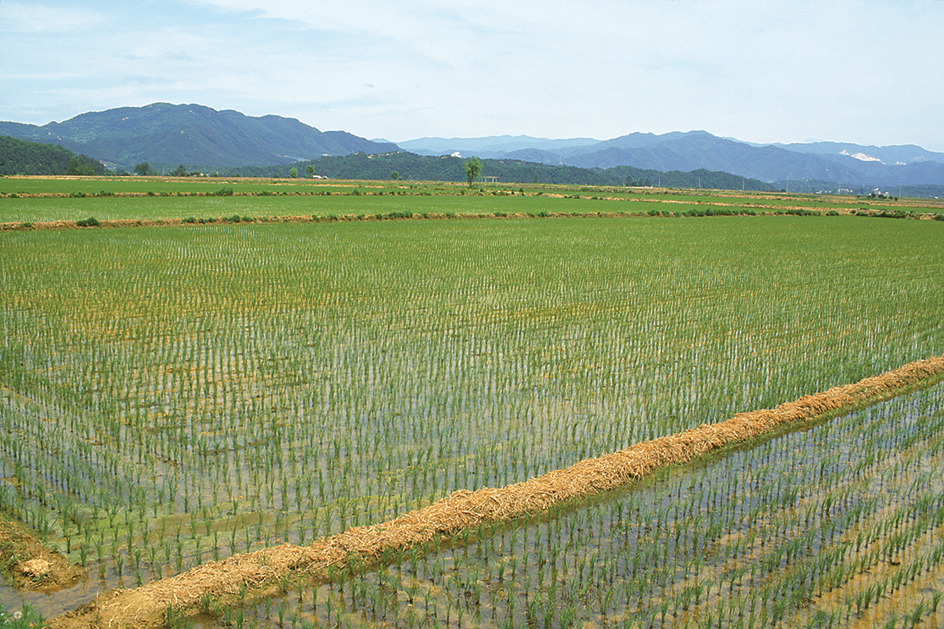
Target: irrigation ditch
242,579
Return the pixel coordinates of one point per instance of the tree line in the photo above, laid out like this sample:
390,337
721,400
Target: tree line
20,157
402,165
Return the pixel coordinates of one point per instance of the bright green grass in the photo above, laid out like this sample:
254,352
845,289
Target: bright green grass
211,185
155,185
344,203
159,207
172,198
193,392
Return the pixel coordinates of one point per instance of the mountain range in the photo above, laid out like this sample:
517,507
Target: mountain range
194,135
851,164
202,138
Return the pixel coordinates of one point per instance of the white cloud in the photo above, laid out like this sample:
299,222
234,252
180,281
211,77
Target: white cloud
36,17
772,71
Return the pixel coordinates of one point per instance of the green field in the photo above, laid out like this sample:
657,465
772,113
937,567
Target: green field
179,394
817,528
34,200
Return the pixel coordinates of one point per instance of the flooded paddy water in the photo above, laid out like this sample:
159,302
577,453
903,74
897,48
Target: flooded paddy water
838,525
173,397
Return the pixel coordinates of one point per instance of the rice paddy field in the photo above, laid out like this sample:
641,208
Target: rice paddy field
35,199
181,394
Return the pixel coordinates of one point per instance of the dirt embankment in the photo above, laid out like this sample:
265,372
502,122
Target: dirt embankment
29,564
266,571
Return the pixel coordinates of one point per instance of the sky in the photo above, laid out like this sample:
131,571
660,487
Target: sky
862,71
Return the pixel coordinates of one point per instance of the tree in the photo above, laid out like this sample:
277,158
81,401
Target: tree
473,166
293,173
180,171
394,175
142,169
310,169
76,167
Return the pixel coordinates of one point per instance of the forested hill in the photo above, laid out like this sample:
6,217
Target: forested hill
20,157
198,137
425,168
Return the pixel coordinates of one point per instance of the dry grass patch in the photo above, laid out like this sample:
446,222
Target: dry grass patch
29,564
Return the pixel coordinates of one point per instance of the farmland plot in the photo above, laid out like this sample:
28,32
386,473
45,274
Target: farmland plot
841,525
173,396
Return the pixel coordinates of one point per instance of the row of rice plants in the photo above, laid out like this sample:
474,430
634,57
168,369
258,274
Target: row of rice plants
174,396
837,526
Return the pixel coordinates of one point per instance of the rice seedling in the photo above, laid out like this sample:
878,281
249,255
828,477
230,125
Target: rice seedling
202,394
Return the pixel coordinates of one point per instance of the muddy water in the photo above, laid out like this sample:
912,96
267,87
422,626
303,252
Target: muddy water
838,525
219,375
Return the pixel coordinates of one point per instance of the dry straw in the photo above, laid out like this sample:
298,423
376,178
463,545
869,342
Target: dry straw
261,573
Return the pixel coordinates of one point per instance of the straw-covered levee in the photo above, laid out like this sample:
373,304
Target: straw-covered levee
264,572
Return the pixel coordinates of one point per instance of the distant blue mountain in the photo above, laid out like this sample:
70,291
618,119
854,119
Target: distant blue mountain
198,136
490,147
192,135
823,161
890,155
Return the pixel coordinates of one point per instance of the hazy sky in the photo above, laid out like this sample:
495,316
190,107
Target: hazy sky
864,71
